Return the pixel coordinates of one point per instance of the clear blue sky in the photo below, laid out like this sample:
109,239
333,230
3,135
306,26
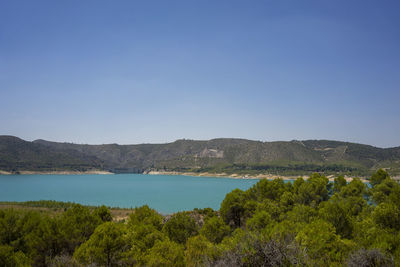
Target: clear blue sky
156,71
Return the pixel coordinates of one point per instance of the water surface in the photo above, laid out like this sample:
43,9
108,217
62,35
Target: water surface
165,193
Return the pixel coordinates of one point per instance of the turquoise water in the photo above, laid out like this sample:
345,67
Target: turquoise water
165,193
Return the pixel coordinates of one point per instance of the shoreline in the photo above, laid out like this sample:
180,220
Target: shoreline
55,172
193,174
245,177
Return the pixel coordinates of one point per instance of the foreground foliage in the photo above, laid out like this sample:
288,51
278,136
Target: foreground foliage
308,223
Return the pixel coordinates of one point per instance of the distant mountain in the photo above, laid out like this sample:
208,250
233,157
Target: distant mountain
216,155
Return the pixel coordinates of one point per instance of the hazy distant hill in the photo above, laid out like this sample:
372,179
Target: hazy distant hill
217,155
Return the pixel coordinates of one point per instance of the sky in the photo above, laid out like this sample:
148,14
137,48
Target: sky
133,72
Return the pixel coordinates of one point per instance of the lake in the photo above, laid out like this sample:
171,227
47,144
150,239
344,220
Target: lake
165,193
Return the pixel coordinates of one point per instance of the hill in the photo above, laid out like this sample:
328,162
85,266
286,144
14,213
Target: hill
216,155
17,155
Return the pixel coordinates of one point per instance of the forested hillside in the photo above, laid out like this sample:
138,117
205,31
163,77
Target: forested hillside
217,155
305,223
17,154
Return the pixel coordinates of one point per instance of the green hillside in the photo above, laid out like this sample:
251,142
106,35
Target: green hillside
217,155
18,155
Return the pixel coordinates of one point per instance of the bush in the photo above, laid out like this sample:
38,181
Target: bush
367,258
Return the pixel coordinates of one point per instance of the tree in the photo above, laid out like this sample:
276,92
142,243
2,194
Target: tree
232,207
313,191
259,221
38,240
146,215
9,226
272,190
206,212
321,242
355,188
180,227
272,207
103,213
215,229
297,184
338,183
301,214
198,251
387,215
27,232
378,177
10,258
335,212
165,253
77,224
386,191
368,234
287,201
284,230
105,247
144,236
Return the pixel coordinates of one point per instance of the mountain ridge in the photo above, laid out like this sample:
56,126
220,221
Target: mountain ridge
215,155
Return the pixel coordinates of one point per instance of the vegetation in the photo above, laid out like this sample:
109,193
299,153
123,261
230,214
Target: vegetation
42,203
308,222
283,168
239,156
19,155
